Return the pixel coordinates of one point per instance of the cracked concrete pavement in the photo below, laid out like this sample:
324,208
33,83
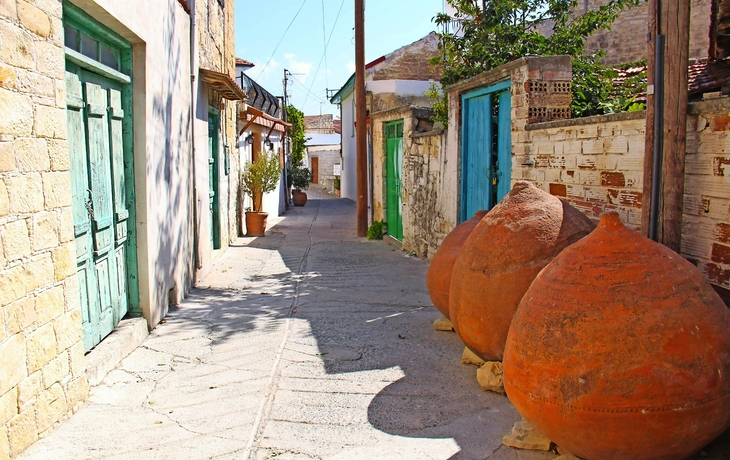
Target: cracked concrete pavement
308,343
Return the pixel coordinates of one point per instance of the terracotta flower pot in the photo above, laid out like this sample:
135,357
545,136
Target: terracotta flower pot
256,223
621,349
438,279
499,260
298,197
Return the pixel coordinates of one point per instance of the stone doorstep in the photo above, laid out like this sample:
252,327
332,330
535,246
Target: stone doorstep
124,339
393,242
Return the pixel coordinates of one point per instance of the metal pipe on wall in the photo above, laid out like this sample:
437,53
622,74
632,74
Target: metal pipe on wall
656,185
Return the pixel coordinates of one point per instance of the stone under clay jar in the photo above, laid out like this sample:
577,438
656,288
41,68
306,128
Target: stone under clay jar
620,349
438,278
501,257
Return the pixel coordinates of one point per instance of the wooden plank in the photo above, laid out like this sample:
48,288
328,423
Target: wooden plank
650,110
675,21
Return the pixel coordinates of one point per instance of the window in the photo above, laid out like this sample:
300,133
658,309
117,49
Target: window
90,47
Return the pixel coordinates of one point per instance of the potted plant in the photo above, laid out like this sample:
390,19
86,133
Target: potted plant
300,180
259,177
336,185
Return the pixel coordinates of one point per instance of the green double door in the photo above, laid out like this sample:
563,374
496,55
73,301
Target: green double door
394,178
101,217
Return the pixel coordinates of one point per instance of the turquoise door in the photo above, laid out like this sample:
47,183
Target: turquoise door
99,138
100,213
394,178
486,148
213,178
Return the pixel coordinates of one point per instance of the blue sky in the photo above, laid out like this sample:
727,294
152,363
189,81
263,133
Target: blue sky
260,25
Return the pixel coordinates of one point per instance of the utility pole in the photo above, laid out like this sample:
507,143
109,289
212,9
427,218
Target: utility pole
362,160
670,21
287,144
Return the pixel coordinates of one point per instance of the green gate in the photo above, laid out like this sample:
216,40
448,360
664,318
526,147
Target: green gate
394,178
99,140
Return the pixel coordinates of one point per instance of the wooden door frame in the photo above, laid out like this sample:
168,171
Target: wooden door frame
490,90
77,18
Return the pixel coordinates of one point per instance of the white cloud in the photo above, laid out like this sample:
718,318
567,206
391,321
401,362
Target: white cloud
351,66
301,69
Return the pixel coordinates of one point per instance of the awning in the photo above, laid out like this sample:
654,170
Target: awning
256,113
223,84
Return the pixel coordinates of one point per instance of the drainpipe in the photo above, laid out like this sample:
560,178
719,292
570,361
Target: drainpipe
371,185
193,94
656,185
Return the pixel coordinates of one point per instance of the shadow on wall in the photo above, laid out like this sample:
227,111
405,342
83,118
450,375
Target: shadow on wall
169,174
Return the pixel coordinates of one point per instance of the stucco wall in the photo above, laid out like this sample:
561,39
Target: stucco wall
328,156
348,181
42,367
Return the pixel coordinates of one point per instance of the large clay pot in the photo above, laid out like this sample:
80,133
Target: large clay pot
298,197
438,278
621,349
499,260
256,223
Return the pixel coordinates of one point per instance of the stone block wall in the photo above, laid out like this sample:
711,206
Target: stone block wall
595,163
626,41
42,367
706,219
328,156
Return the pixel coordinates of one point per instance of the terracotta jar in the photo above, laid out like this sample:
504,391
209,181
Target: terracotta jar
438,278
621,349
256,223
501,257
298,197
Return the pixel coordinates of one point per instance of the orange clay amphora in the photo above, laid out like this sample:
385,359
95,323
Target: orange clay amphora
501,257
620,349
438,278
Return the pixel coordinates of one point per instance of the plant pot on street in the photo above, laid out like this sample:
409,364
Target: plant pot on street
256,223
299,198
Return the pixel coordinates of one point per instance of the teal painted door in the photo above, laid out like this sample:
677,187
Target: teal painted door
213,179
486,148
394,178
94,118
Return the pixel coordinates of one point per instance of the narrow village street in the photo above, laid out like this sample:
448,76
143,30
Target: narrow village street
308,343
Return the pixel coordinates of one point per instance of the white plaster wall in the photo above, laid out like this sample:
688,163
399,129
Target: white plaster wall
348,180
399,87
159,31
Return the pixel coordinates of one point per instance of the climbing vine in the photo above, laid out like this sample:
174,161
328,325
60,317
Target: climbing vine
296,134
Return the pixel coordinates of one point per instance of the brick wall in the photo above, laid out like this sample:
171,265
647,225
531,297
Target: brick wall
595,163
42,367
626,41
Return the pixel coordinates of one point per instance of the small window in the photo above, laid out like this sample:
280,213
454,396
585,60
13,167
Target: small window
71,37
109,57
89,47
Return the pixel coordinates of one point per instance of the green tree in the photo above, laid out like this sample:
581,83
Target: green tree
296,135
496,32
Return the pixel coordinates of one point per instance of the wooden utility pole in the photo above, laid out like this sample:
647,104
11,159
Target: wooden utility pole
361,120
672,21
650,137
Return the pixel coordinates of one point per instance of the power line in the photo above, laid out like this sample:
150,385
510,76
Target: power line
325,47
308,91
324,42
281,40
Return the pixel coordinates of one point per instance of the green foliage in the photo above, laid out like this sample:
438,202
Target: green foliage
336,183
440,105
296,134
261,176
375,232
496,32
300,178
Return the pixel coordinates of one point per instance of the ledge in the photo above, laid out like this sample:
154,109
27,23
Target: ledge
124,339
624,116
716,105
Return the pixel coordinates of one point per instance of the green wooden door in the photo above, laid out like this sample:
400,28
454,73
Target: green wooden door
94,118
394,178
213,178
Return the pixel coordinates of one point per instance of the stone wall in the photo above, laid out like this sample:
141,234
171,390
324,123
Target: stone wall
595,163
42,367
626,41
328,156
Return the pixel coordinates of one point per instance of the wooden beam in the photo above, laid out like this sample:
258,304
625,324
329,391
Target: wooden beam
361,135
650,137
674,23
